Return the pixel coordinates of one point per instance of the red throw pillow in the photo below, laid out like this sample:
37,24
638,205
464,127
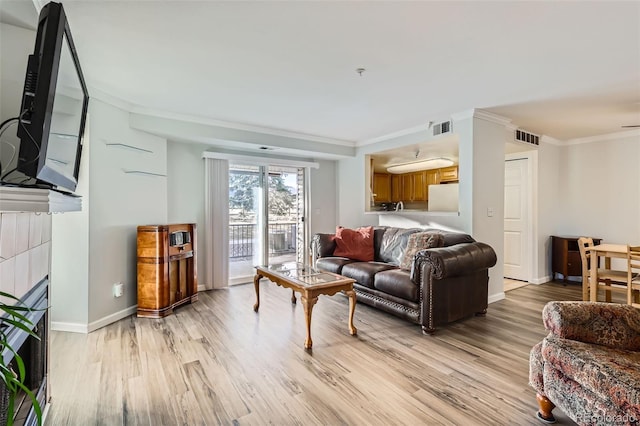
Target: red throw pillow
354,243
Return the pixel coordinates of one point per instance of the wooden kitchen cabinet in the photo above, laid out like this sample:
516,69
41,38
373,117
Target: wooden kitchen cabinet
396,188
414,186
449,174
382,187
420,192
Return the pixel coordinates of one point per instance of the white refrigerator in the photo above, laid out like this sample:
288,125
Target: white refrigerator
444,197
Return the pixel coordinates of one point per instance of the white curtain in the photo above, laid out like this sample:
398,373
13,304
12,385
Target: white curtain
216,223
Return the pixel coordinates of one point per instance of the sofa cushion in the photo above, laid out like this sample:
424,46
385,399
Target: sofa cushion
394,243
363,272
332,264
611,374
419,241
354,243
451,238
396,282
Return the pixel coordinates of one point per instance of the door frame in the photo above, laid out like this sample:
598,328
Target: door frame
531,244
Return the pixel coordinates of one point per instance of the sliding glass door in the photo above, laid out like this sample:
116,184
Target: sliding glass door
267,212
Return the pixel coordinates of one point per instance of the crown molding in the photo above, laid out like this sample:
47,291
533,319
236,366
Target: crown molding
489,116
607,137
239,126
463,115
101,95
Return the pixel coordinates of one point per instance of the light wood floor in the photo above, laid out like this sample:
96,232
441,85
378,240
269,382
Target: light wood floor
218,362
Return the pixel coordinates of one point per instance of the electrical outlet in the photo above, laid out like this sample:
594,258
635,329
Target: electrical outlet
489,211
118,289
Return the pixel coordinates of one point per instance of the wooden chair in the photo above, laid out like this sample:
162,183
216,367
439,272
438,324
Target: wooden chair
633,276
608,279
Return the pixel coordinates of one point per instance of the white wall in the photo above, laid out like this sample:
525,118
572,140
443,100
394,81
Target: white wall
323,207
70,254
550,190
601,189
185,191
488,195
119,203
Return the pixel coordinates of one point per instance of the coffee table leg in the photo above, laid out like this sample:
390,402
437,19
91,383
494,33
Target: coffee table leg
293,297
352,308
308,308
256,285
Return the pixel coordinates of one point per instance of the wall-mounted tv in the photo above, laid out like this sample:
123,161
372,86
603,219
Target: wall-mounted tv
54,105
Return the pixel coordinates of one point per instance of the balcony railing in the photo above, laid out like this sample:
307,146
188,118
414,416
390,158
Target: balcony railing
243,237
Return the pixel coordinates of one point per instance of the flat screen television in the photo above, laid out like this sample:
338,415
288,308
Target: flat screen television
54,105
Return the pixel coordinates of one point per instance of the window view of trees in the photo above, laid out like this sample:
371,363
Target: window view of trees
282,198
244,188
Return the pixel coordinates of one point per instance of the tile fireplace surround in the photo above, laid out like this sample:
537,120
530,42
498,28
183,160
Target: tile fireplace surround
25,253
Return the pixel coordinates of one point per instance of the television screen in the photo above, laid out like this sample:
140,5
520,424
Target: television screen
54,105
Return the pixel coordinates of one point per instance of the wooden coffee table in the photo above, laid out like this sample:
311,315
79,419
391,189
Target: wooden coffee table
310,283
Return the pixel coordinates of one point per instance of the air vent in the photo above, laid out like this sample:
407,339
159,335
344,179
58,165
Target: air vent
440,128
526,137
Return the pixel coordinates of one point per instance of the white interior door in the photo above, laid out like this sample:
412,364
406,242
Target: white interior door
516,220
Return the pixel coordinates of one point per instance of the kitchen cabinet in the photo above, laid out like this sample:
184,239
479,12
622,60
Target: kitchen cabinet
420,192
449,174
382,187
414,186
396,188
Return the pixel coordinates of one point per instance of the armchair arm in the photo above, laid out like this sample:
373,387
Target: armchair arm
322,245
459,259
606,324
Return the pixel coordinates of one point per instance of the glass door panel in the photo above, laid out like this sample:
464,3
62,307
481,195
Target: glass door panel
266,218
283,214
245,238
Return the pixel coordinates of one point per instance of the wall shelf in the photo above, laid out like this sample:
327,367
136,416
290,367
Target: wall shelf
142,172
126,146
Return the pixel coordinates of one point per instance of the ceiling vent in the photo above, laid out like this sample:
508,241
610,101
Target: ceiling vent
440,128
526,137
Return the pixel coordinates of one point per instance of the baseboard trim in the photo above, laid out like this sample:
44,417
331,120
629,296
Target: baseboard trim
70,327
74,327
542,280
202,287
496,297
109,319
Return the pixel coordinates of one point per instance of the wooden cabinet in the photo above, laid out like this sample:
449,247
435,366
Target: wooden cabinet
167,275
565,256
382,187
449,174
396,188
433,177
420,192
414,186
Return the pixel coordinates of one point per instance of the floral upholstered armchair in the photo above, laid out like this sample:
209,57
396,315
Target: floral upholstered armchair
589,364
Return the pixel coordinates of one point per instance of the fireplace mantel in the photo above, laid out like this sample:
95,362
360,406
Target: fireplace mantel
14,199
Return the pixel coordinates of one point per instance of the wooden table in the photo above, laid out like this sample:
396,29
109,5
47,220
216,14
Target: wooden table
310,283
607,251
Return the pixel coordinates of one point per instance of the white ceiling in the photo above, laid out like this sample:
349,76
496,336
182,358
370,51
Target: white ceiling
562,69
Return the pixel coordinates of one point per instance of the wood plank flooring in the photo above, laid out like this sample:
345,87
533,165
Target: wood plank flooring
218,362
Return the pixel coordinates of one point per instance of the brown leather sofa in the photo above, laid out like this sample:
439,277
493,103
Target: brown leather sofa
444,284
